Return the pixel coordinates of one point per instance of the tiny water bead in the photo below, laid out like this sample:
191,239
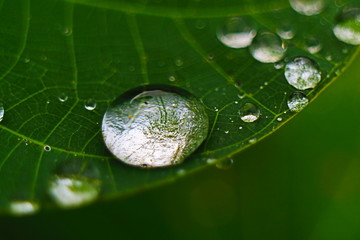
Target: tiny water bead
297,102
302,73
90,104
72,191
2,111
267,48
47,148
20,208
63,97
286,31
313,45
237,32
348,27
308,7
249,113
225,163
154,126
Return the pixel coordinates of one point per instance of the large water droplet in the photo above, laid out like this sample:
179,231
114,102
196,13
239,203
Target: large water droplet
73,191
301,73
23,207
267,48
90,104
348,28
297,102
308,7
249,113
2,111
237,32
157,127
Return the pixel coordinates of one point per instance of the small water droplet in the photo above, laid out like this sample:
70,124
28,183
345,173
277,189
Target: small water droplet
47,148
67,31
181,172
216,109
313,45
63,97
179,62
286,31
26,60
253,140
172,78
226,132
158,134
240,128
211,161
236,102
279,119
200,24
302,73
73,191
2,111
297,102
249,113
267,48
20,208
237,32
90,104
308,7
345,51
211,57
225,164
329,58
348,27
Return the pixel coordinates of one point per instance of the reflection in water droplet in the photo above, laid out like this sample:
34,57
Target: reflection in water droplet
90,104
297,102
286,31
313,45
308,7
225,164
63,97
142,128
237,32
267,48
2,111
73,191
301,73
249,113
23,207
348,27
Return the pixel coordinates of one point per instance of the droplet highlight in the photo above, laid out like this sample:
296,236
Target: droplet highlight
249,113
143,128
237,32
268,48
297,102
302,73
348,27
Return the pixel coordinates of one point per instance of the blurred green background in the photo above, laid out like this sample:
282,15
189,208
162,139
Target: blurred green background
302,182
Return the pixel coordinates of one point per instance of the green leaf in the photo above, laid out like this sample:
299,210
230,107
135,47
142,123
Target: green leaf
85,49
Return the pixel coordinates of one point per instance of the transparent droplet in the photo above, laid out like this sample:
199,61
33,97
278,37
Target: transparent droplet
308,7
267,48
302,73
279,65
47,148
225,164
237,32
249,113
297,102
67,31
348,27
63,97
279,119
2,111
286,31
90,104
179,62
313,45
72,191
20,208
142,128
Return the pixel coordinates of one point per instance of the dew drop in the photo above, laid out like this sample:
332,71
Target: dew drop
63,97
179,62
301,73
211,161
253,140
47,148
20,208
73,191
2,111
90,104
348,27
279,119
249,113
157,134
225,164
297,102
308,7
237,32
286,31
267,48
313,45
279,65
181,172
67,31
